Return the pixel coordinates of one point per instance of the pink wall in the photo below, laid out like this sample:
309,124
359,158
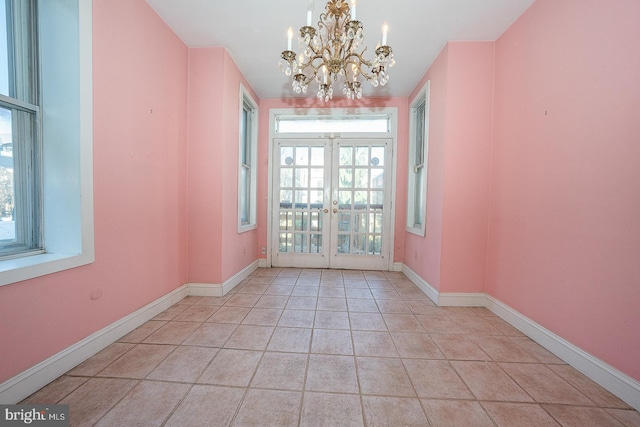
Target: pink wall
338,102
140,108
423,254
452,255
204,185
467,167
216,250
564,231
241,249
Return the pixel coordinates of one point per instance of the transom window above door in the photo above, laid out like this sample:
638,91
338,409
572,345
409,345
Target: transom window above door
376,123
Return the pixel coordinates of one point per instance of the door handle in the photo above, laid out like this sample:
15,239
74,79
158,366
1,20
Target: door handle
326,211
335,210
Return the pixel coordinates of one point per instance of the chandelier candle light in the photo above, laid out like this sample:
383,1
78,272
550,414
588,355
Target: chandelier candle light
331,50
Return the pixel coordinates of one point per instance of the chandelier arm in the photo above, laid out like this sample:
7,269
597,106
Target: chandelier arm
360,60
366,75
310,63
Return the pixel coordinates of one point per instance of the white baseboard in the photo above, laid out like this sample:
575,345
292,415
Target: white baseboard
424,286
618,383
398,266
219,290
262,263
235,280
36,377
28,382
462,299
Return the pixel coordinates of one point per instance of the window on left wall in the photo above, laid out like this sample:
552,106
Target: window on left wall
46,127
20,136
247,155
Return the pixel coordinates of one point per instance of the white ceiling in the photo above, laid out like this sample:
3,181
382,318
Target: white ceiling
254,32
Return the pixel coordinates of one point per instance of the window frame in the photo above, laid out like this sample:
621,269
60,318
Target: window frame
417,169
65,31
247,150
23,102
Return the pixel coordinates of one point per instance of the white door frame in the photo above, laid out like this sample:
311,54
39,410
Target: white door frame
274,113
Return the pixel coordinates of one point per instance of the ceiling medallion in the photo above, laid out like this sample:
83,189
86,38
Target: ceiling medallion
331,51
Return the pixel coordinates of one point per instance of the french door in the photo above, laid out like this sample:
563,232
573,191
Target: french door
331,206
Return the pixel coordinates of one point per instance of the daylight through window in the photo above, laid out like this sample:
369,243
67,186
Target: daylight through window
20,148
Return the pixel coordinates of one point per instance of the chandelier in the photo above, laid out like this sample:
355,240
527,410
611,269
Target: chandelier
331,51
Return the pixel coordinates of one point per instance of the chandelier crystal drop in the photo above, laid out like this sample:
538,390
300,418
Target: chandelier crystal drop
332,51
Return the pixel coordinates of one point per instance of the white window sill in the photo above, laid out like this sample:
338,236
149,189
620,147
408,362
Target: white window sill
247,227
417,231
19,269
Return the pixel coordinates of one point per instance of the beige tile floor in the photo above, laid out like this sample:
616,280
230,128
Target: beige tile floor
329,348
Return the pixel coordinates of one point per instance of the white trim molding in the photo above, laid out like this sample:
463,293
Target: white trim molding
424,286
33,379
36,377
455,299
221,289
616,382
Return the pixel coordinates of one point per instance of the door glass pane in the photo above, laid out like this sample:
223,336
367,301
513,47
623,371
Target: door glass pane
302,156
344,221
286,156
345,179
302,177
362,178
300,243
315,244
359,244
301,221
360,199
375,222
285,198
317,178
377,178
286,242
344,244
302,199
316,221
360,222
317,156
344,199
376,200
377,156
286,220
286,177
346,156
317,199
362,156
375,245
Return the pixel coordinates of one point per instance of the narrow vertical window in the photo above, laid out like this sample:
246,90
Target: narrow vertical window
247,164
20,148
418,151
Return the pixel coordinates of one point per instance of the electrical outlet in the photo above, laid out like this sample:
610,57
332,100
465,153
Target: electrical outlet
263,251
